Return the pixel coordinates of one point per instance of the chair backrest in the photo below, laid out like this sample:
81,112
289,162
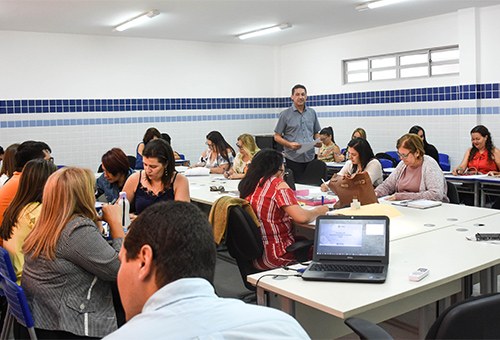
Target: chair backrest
452,193
475,318
6,268
444,162
386,160
243,241
315,171
131,161
394,154
289,178
18,305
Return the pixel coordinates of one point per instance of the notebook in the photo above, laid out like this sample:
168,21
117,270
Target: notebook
350,248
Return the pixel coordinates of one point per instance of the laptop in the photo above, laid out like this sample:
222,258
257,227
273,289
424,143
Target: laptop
350,249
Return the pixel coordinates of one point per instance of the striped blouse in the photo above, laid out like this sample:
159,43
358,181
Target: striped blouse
275,225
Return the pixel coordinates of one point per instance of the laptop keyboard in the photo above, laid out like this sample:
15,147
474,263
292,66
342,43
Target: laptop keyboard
346,268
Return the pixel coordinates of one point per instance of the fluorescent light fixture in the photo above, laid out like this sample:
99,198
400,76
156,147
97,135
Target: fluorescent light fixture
263,31
138,20
377,4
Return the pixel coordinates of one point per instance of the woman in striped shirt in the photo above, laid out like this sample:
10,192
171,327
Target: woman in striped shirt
275,205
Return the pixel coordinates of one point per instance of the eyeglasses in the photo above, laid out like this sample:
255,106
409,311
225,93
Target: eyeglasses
239,146
403,156
219,188
209,144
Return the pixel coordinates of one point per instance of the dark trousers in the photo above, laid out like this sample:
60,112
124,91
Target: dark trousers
297,168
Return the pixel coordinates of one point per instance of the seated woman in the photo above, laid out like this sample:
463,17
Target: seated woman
361,159
329,151
158,181
8,164
483,156
116,170
24,210
430,150
276,206
166,137
69,266
151,133
219,155
248,148
357,133
418,176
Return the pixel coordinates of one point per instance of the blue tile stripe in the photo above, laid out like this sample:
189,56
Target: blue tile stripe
430,94
243,116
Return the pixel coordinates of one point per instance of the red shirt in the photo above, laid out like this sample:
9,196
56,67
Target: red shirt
275,225
482,163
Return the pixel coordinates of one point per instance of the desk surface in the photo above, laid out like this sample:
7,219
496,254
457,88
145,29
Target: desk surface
438,250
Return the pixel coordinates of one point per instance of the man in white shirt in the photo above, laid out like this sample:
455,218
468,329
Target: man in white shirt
165,283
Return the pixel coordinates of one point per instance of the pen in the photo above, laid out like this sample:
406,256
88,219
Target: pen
329,190
322,200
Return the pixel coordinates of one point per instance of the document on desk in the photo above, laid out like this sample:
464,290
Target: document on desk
307,146
374,209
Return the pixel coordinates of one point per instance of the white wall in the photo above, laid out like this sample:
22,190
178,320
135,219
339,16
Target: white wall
318,64
61,66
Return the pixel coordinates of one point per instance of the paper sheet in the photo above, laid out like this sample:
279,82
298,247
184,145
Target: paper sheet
307,146
375,209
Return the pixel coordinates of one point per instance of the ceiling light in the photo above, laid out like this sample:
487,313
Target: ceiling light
377,4
263,31
138,20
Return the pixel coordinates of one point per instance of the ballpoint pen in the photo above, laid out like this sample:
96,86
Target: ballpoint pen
328,188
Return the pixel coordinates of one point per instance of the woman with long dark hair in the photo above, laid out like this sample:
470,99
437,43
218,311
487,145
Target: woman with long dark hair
23,211
329,151
158,181
8,164
430,150
219,155
483,157
361,159
275,205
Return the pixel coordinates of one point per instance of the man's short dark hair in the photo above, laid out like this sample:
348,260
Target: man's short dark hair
29,150
298,86
181,238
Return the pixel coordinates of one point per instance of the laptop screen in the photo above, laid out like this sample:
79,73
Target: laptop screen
348,237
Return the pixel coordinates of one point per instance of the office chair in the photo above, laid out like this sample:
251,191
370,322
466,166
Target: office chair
315,171
6,267
444,162
131,161
394,154
244,243
452,193
474,318
289,178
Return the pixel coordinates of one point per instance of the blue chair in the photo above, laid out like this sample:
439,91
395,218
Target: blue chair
394,154
385,163
444,162
18,308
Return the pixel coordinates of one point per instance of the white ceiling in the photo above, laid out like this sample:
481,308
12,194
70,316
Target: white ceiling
216,21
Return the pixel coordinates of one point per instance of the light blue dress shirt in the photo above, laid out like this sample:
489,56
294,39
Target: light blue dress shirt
188,308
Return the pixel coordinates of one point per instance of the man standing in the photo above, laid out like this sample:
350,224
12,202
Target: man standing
165,283
296,126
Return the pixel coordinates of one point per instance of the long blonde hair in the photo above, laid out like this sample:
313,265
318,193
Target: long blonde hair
67,193
249,144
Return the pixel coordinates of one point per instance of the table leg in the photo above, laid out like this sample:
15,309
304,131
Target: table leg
261,297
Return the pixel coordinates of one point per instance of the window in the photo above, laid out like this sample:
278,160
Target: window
421,63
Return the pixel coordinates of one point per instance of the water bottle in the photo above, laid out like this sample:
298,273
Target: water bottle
125,210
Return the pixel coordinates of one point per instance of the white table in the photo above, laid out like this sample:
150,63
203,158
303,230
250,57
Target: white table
199,188
321,307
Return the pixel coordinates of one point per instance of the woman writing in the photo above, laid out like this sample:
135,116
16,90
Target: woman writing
329,151
69,266
276,206
24,210
361,159
116,169
417,177
483,157
158,181
248,148
219,155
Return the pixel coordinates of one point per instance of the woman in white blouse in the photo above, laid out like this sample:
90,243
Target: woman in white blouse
219,155
361,158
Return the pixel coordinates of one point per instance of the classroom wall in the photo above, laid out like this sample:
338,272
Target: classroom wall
86,94
447,121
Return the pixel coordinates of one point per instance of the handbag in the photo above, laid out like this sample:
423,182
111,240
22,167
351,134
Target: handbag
357,186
